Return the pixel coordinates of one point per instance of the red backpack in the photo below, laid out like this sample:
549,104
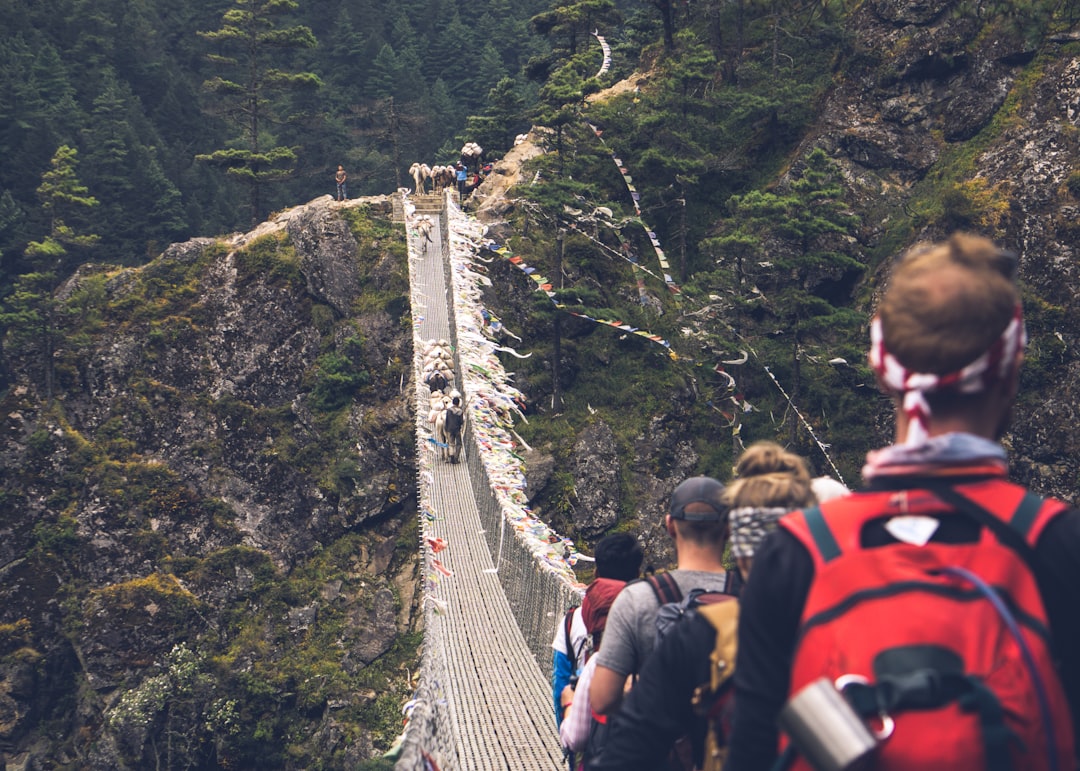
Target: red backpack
944,648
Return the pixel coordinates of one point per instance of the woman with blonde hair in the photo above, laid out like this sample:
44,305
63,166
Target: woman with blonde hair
769,483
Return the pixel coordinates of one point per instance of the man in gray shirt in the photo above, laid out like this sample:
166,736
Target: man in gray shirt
698,523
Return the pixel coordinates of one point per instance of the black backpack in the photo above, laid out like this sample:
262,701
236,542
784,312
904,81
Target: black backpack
673,608
673,605
454,421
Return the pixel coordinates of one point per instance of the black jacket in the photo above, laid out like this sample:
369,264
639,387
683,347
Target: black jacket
657,710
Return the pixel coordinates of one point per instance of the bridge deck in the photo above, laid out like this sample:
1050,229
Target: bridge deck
500,701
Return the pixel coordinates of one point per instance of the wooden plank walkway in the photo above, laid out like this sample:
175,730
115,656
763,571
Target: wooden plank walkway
499,699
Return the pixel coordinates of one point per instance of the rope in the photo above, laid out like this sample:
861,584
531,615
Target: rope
821,445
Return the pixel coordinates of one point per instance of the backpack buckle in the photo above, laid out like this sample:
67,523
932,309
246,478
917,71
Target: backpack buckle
851,686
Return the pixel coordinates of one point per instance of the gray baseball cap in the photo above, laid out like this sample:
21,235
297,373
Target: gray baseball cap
699,490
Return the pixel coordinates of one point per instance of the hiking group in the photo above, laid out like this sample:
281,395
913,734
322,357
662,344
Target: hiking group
924,621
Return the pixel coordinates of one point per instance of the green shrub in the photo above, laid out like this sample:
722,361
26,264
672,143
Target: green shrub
338,377
270,257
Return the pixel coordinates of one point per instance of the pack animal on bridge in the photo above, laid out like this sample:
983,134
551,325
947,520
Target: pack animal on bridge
438,365
442,177
425,225
437,378
420,172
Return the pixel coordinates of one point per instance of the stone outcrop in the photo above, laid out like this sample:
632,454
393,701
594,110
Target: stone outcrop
228,466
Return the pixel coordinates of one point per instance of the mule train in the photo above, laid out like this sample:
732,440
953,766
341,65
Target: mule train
444,177
446,410
433,178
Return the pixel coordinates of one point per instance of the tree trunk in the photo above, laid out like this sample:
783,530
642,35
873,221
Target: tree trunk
667,15
395,151
556,391
48,344
685,274
796,376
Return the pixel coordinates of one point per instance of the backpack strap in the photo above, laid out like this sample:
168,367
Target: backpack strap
823,538
664,587
1012,532
733,582
568,621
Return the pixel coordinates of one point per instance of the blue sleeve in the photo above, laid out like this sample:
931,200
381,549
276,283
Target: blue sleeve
560,678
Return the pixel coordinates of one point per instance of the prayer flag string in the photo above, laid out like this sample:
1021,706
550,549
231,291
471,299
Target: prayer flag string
544,285
635,196
607,53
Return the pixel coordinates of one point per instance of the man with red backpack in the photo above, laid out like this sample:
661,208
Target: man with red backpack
930,616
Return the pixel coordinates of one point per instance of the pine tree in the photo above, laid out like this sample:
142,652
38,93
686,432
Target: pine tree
140,205
571,23
666,9
64,199
504,119
805,229
384,74
27,322
11,217
31,313
254,44
347,49
37,111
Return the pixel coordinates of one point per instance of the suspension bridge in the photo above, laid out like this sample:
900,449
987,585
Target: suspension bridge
497,581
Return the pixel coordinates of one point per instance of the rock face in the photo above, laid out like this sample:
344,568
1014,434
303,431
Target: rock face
939,120
203,524
326,247
923,83
595,467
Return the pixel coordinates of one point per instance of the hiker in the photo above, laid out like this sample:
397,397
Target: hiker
618,560
340,178
452,425
697,522
769,483
461,174
917,562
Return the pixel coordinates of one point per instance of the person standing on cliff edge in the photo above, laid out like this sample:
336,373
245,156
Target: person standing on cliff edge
340,178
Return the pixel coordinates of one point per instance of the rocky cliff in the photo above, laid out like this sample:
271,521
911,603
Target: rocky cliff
208,550
939,117
949,120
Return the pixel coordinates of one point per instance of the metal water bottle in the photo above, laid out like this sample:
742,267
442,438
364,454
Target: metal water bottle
826,730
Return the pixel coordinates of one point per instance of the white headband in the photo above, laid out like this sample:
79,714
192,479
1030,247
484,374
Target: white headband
992,366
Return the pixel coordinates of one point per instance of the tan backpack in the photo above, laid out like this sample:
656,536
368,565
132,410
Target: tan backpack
713,699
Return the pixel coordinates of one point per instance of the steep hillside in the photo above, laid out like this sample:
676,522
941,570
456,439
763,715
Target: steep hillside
934,119
943,123
208,550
